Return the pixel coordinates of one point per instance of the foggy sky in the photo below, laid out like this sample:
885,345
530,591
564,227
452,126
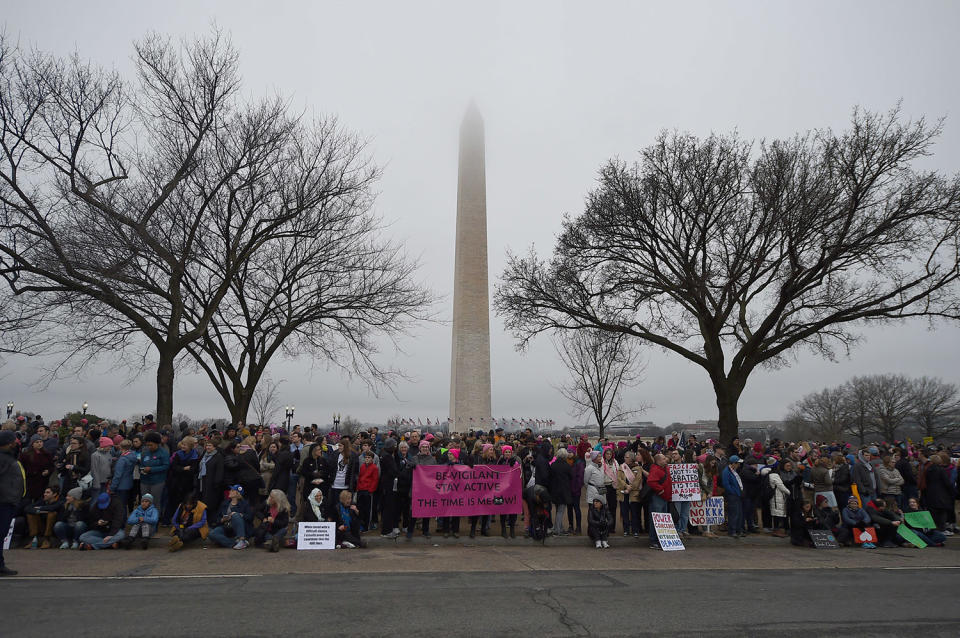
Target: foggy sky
562,88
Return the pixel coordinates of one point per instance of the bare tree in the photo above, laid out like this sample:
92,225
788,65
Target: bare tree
350,426
891,403
328,287
602,366
826,413
145,198
936,406
733,256
265,401
859,399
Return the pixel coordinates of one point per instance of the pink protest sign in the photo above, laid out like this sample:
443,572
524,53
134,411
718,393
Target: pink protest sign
461,490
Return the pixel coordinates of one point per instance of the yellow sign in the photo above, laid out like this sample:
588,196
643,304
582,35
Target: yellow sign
928,440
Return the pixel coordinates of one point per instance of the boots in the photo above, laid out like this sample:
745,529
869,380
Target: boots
503,531
46,543
513,532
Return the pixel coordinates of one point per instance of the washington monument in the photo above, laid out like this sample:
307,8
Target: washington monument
470,365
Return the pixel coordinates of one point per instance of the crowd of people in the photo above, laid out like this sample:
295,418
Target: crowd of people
95,486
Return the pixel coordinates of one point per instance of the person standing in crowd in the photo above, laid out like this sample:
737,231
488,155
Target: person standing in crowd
577,467
909,488
344,473
241,466
560,494
610,469
632,480
210,479
283,467
154,464
733,496
143,522
842,479
368,482
390,468
101,466
889,480
423,458
779,497
507,457
450,525
822,480
122,481
864,474
38,465
661,495
938,491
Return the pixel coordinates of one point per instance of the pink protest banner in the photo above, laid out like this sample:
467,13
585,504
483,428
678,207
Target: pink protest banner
461,490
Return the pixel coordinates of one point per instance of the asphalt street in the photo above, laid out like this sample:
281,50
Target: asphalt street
875,601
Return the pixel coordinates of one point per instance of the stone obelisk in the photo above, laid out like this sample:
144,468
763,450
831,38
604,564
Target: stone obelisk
470,364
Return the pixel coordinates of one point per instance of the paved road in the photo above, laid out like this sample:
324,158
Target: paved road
853,602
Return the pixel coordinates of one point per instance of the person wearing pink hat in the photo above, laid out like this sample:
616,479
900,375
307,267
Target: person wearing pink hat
450,525
507,457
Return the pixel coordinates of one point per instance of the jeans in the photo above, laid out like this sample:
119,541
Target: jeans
95,538
683,516
657,506
558,519
734,506
67,532
225,536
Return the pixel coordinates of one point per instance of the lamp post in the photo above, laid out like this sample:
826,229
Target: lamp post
84,408
289,411
336,422
9,409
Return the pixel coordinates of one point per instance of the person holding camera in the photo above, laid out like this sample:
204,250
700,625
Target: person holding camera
233,521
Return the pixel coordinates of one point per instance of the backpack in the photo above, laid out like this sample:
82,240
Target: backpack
766,488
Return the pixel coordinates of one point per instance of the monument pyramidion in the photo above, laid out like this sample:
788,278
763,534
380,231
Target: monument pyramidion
470,359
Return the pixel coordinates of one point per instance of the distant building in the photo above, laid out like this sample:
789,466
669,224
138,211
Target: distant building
708,429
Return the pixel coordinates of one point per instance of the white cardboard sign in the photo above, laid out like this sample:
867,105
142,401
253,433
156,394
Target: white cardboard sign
316,536
667,533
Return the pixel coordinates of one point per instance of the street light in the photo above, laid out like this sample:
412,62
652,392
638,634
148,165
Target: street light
289,410
336,423
84,408
9,409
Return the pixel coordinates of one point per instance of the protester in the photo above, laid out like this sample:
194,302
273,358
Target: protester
599,522
274,517
143,522
189,523
105,524
42,515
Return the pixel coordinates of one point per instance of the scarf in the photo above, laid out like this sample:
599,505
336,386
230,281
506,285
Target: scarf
610,469
344,514
312,499
203,463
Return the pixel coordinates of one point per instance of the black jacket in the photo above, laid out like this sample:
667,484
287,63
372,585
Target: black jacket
316,468
560,483
389,470
598,521
938,493
212,483
280,479
280,522
113,514
12,487
751,482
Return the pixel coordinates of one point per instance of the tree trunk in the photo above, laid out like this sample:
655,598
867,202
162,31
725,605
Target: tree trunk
165,374
241,405
728,394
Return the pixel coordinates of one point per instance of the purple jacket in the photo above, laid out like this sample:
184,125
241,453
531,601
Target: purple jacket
576,479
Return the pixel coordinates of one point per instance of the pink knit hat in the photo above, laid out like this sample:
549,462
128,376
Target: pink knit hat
106,441
454,452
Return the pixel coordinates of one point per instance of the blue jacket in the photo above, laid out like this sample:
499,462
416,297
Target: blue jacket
855,518
123,472
158,462
150,515
731,485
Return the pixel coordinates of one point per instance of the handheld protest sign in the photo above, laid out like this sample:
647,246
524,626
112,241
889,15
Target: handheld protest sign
910,536
685,482
316,535
920,520
823,539
865,535
666,532
9,536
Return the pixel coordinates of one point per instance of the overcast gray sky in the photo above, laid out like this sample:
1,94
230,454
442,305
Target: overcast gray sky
562,88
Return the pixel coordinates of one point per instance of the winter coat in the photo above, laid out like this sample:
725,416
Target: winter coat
855,518
593,481
890,480
598,522
101,467
389,471
283,466
368,479
659,481
197,519
158,462
751,482
280,522
939,492
150,515
560,481
112,514
576,478
123,472
211,483
34,464
841,477
242,507
866,481
820,477
184,467
80,460
781,494
731,486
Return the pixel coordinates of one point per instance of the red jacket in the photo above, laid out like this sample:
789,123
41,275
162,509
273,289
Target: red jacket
369,478
659,481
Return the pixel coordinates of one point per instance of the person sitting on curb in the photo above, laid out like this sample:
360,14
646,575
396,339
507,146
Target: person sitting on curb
234,521
189,522
274,517
854,517
42,516
598,524
885,522
105,524
347,523
71,522
143,522
928,535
